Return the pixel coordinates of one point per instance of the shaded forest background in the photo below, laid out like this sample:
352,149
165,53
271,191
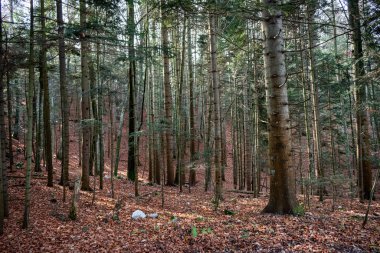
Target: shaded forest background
208,113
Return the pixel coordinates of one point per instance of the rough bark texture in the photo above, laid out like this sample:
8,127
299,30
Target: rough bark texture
217,117
86,109
2,150
193,175
131,102
282,195
170,173
362,118
64,99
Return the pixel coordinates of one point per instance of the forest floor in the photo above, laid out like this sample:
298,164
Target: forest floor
186,223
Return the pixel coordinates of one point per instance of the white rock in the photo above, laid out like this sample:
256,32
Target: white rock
153,215
138,214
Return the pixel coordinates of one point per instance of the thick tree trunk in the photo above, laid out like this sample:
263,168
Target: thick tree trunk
282,195
170,173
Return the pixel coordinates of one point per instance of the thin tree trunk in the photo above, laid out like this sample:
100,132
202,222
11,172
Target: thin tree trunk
132,167
193,175
217,117
362,117
315,100
46,97
29,143
65,106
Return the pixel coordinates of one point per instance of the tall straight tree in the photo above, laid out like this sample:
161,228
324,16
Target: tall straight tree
86,100
193,175
170,176
362,118
29,108
2,149
64,100
282,197
131,103
216,100
46,97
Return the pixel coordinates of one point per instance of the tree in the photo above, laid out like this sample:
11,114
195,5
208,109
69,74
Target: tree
216,100
131,102
170,176
362,118
86,102
2,150
65,108
46,97
282,197
29,101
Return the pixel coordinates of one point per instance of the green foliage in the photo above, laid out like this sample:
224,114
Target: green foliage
299,210
229,212
206,231
194,231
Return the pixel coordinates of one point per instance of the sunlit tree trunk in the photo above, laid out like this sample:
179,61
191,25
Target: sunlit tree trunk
282,197
315,98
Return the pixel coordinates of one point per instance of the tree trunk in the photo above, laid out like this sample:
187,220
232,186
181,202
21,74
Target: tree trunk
193,174
217,117
2,148
65,106
315,100
170,173
29,144
362,118
131,103
46,97
86,103
282,195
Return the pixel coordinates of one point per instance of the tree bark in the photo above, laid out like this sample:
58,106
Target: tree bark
170,173
217,117
282,195
65,106
29,144
362,118
131,102
86,109
46,97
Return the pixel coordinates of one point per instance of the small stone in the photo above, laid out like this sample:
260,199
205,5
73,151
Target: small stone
138,214
153,215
